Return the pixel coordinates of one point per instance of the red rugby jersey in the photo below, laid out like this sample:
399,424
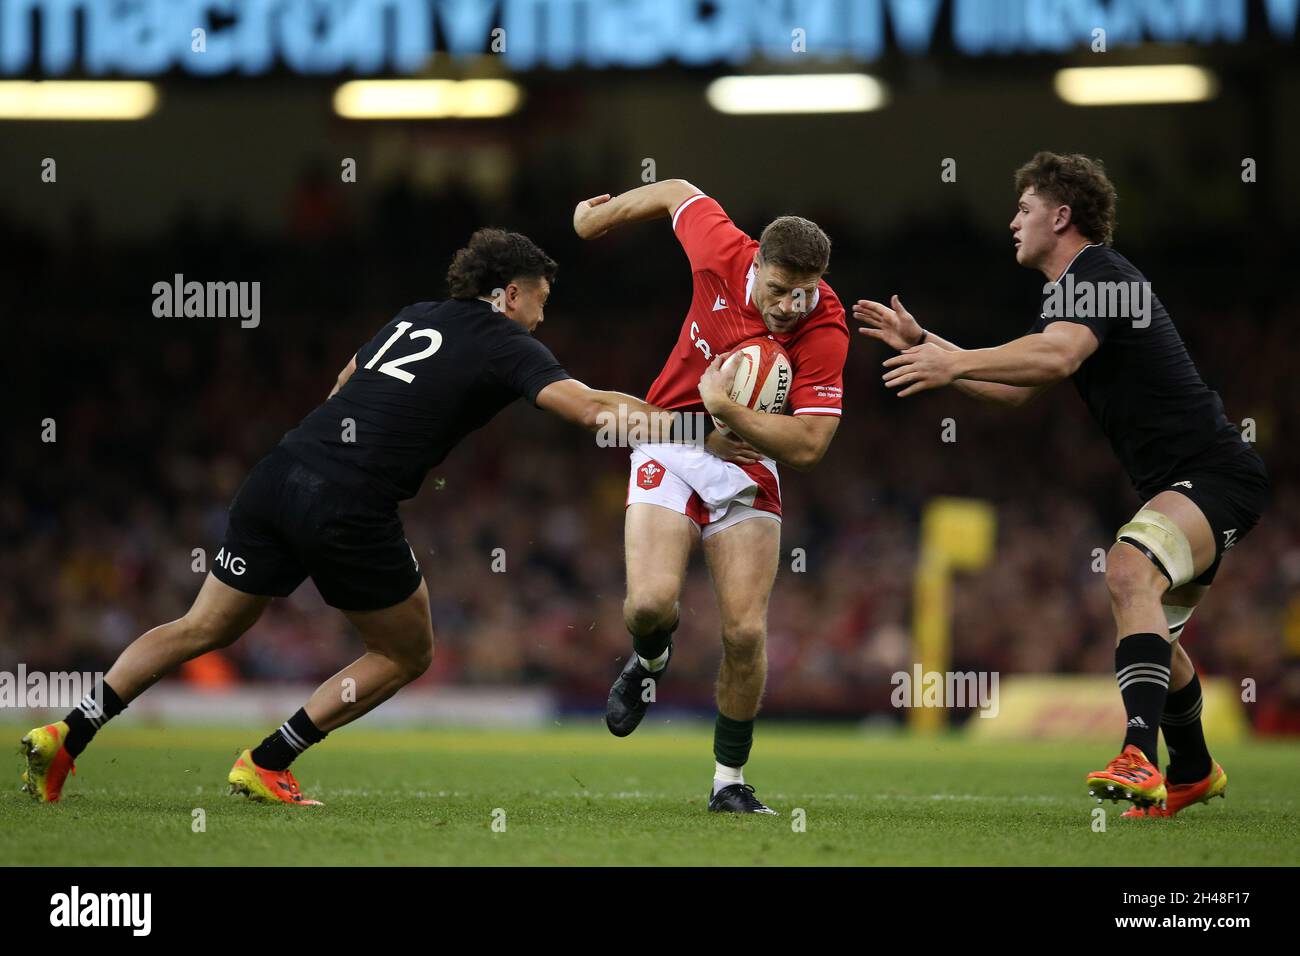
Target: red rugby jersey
721,317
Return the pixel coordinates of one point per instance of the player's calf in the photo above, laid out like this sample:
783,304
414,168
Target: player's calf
262,773
1143,654
1189,757
744,666
219,616
399,649
1151,555
411,663
741,681
743,561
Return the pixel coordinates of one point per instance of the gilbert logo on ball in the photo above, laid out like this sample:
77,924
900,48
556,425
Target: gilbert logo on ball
763,374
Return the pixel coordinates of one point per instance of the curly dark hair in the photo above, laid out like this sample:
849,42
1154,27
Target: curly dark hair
796,245
1076,181
492,260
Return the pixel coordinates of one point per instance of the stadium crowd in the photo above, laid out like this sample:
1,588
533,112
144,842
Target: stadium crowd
105,531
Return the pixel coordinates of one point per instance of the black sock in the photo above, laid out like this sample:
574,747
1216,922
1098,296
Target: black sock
294,736
732,740
1189,760
88,716
652,645
1142,670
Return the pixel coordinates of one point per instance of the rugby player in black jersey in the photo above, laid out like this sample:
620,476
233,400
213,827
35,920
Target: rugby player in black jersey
1203,486
323,504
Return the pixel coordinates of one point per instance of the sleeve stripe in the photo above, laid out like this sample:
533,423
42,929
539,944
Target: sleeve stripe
678,213
817,411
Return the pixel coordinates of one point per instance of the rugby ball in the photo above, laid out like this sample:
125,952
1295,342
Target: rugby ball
763,375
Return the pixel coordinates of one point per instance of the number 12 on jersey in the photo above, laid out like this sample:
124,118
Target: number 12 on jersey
394,367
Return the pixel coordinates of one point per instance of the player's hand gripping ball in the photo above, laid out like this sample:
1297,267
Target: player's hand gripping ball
757,374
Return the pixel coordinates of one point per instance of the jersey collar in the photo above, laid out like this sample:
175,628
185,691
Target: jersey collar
1091,245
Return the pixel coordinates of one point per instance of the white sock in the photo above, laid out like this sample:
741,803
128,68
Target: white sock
724,776
654,664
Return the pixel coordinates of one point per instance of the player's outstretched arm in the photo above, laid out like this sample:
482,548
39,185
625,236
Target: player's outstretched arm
594,217
595,410
898,329
796,441
1035,361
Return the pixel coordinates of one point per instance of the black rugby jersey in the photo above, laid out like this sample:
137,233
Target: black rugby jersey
1140,384
432,375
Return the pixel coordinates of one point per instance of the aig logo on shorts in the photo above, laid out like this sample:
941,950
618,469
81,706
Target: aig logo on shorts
650,474
231,562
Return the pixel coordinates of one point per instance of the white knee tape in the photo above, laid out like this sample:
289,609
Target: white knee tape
1165,540
1176,617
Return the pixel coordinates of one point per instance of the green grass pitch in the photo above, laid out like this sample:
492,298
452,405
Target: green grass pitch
575,795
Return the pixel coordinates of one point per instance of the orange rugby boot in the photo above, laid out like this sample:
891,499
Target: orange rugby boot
48,762
1130,776
1183,795
265,786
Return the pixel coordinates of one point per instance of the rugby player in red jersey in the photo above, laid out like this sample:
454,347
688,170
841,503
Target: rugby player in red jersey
742,289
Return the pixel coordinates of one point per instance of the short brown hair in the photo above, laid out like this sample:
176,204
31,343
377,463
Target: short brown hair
796,245
1076,181
493,259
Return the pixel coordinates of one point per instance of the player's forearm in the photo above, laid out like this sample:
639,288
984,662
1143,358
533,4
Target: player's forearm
997,393
652,201
1029,361
787,439
616,418
627,416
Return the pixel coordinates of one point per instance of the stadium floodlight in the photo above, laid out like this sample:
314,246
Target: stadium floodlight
427,99
797,93
1129,85
77,99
